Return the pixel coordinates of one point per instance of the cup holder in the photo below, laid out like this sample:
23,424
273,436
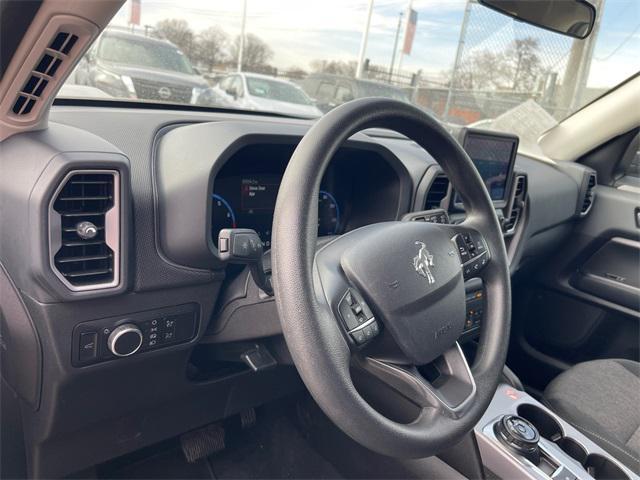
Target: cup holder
572,448
547,426
598,466
601,468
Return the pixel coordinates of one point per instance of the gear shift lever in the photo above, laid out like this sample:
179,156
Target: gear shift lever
520,436
243,246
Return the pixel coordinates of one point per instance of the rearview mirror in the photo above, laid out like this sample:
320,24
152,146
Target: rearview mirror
574,18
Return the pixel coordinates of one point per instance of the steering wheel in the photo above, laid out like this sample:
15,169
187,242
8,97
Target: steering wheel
389,297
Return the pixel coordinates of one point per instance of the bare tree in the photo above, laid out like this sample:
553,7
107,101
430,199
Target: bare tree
488,70
515,68
177,31
256,55
337,67
211,47
526,63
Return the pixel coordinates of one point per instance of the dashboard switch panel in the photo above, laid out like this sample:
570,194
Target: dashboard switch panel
130,335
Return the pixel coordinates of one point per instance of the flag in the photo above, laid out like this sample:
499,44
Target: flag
135,12
410,32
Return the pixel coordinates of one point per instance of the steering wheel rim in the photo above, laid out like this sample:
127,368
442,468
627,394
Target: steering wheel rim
319,347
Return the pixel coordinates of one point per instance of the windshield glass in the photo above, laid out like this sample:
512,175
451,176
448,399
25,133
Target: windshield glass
458,60
274,90
143,53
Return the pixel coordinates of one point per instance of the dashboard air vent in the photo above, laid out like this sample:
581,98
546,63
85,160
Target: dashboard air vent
44,70
511,222
87,203
520,186
587,202
437,192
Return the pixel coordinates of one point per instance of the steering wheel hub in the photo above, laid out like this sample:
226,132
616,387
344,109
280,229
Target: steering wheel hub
409,273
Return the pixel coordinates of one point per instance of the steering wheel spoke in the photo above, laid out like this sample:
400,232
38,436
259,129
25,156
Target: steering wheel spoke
450,389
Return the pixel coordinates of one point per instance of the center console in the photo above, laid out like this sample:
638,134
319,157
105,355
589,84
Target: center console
520,438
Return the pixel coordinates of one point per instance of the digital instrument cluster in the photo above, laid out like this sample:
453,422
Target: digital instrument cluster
248,201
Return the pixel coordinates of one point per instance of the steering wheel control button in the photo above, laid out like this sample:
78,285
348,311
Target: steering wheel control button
354,312
358,336
473,253
125,340
365,332
520,436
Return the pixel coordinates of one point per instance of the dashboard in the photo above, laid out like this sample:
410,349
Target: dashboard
177,178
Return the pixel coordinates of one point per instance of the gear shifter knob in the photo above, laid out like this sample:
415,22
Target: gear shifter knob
520,436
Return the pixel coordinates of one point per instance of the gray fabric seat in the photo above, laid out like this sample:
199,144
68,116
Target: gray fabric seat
602,399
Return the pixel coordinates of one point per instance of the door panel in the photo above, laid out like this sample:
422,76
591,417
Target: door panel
584,302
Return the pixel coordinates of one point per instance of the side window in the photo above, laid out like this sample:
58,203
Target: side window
344,93
325,92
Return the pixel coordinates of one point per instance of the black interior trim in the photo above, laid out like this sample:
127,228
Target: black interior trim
15,18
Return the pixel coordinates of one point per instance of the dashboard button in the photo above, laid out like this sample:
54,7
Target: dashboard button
88,346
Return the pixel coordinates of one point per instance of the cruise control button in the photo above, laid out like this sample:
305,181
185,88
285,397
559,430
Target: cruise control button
348,317
375,328
462,249
358,336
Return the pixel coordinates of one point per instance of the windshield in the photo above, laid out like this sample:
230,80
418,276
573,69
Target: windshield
463,62
274,90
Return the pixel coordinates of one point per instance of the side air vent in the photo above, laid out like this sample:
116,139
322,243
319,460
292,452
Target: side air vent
589,194
43,72
511,222
437,192
517,204
86,231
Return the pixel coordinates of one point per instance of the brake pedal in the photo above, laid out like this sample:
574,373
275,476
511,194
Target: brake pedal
248,418
201,443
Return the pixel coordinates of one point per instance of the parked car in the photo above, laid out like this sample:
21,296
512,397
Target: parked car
329,91
130,65
253,91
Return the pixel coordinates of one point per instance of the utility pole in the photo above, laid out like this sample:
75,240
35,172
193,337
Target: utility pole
585,60
363,42
456,64
242,34
395,47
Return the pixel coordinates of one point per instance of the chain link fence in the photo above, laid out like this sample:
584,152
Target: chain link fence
501,64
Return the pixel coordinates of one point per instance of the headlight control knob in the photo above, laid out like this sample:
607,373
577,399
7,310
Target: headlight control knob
125,340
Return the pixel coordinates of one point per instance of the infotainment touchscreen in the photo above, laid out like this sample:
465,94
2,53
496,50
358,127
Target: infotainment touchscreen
493,154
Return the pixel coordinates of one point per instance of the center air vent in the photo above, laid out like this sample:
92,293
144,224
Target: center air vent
43,72
437,192
589,194
85,240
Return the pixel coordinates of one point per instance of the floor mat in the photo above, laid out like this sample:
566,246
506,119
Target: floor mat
274,448
162,461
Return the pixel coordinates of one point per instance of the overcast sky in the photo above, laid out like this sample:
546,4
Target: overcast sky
300,31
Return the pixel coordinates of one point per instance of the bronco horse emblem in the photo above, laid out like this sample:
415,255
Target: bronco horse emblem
422,261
